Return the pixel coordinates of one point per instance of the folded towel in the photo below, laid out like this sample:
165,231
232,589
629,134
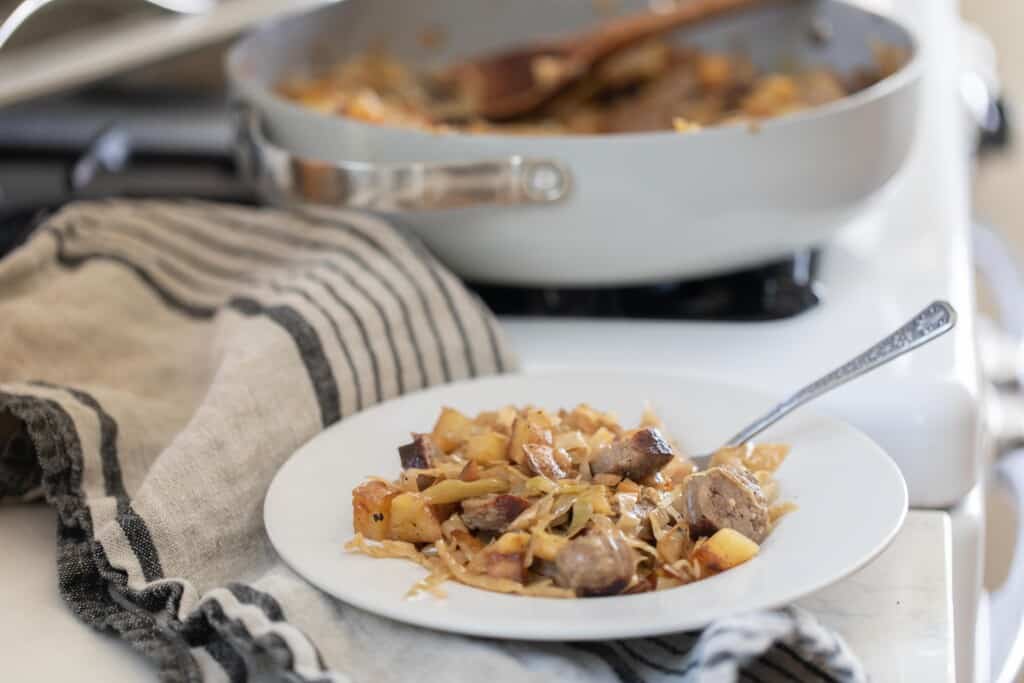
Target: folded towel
162,360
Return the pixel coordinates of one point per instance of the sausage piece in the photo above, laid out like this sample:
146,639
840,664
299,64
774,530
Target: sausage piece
725,497
637,456
493,512
599,563
419,454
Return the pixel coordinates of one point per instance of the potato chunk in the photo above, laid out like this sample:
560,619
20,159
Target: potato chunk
505,558
487,448
726,549
371,509
535,429
451,430
413,519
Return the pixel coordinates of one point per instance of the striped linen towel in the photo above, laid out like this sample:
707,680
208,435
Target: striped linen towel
160,362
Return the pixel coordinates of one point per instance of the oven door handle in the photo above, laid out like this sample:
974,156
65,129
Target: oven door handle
286,178
1006,604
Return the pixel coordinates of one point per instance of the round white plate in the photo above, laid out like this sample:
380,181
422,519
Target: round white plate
851,497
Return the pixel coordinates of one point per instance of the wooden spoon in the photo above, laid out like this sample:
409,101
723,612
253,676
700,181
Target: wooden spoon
516,82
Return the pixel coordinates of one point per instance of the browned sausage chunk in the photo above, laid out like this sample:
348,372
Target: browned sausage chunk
419,454
638,456
600,563
725,497
493,512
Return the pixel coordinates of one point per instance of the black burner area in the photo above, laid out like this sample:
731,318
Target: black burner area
769,292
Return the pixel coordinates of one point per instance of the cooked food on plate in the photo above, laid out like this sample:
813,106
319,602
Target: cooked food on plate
653,86
566,504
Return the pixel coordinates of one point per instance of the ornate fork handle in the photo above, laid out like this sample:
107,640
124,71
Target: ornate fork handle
928,325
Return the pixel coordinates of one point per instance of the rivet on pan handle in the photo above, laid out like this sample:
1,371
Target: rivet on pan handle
396,186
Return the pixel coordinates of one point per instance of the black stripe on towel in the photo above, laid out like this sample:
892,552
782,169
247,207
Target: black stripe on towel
306,339
808,666
337,336
222,217
265,601
657,666
89,584
230,250
348,229
229,659
134,527
625,672
271,607
170,299
310,348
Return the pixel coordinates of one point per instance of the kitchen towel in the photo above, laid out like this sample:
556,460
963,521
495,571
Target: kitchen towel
159,361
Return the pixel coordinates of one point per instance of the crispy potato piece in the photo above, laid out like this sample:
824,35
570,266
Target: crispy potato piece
602,437
487,448
451,429
527,430
725,549
413,519
371,509
504,420
506,557
584,418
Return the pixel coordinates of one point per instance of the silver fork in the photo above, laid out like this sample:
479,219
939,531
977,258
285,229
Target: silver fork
928,325
27,8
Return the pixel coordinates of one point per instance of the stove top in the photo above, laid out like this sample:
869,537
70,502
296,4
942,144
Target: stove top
773,291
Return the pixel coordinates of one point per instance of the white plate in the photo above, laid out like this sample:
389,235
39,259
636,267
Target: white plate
851,498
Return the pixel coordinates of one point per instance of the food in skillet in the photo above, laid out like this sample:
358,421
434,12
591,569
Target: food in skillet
570,504
652,86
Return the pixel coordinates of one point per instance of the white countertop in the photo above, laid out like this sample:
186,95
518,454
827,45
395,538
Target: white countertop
896,613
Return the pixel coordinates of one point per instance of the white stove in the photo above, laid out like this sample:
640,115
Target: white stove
912,247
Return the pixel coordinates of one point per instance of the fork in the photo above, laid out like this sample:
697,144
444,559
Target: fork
928,325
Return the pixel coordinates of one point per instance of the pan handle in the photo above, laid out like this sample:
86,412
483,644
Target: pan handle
285,178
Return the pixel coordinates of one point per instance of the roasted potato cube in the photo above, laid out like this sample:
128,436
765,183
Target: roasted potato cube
527,430
504,419
584,418
371,509
451,430
506,557
413,519
487,448
725,549
602,437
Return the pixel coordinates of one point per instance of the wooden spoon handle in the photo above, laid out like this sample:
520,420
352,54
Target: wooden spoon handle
616,34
